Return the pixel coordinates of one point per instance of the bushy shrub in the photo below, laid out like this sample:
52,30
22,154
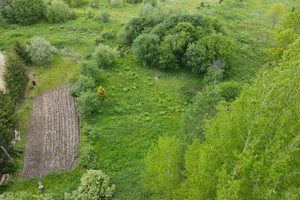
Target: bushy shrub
195,58
90,13
145,49
58,11
89,104
152,2
115,3
20,50
147,9
28,11
95,185
78,3
212,76
40,51
15,77
134,1
18,195
84,83
167,59
90,69
88,157
6,11
230,90
101,93
105,56
104,17
94,3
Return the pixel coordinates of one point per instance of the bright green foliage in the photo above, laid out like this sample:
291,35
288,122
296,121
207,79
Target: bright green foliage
95,185
58,12
163,167
15,77
19,196
230,90
101,93
7,123
28,11
167,58
88,157
89,104
287,34
105,57
276,13
20,50
40,51
84,84
203,108
252,146
145,49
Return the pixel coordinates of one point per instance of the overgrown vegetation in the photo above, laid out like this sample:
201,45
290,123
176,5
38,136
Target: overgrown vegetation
189,100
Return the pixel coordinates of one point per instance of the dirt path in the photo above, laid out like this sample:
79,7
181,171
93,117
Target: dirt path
53,138
1,70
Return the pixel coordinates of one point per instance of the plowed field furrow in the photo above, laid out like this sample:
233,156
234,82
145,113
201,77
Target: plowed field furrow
53,138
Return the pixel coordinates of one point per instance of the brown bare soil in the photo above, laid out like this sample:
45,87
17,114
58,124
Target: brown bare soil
2,62
53,138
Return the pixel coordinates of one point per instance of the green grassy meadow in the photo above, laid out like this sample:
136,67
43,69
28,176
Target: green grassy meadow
138,108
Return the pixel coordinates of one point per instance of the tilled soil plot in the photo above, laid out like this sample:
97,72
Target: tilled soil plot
2,61
53,138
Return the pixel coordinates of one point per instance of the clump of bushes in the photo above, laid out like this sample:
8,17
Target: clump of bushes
58,11
28,12
104,17
40,51
105,56
115,3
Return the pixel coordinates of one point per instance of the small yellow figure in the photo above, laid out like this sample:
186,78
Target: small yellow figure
101,93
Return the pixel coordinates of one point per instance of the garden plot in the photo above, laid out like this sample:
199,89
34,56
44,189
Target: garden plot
53,138
1,70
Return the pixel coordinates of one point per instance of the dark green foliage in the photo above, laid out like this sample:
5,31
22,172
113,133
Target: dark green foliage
7,11
88,157
19,49
15,77
104,17
152,2
105,57
84,84
7,123
90,69
167,59
28,11
203,108
58,12
195,58
78,3
230,90
145,49
89,104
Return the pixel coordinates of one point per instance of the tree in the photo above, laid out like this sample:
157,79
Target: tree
95,185
28,11
204,107
84,83
15,77
7,11
230,90
40,51
7,123
105,57
89,68
275,13
101,93
58,12
89,104
163,167
20,50
252,145
145,49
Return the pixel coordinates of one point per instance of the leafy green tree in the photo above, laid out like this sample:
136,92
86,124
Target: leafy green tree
204,107
230,90
89,104
20,50
40,51
252,145
15,77
95,185
105,57
163,168
7,11
84,84
145,49
28,11
195,57
90,69
7,123
58,12
275,13
167,58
